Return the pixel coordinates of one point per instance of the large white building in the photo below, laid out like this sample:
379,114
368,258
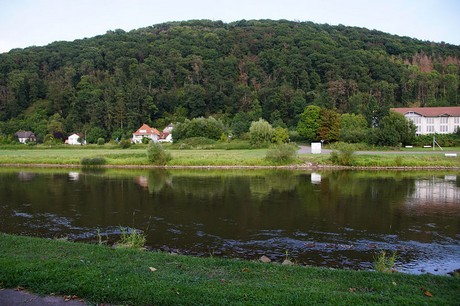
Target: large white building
432,120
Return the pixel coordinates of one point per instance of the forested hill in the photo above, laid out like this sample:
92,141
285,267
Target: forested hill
155,75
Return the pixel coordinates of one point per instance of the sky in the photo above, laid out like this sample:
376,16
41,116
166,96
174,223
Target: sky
25,23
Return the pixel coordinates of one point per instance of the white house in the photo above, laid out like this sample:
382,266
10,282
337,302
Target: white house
146,131
73,139
166,135
25,136
431,120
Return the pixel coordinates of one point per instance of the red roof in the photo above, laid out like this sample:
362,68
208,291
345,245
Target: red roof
430,111
146,130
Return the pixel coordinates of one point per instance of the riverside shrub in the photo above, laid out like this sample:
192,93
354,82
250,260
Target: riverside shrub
344,155
157,155
260,132
93,161
282,153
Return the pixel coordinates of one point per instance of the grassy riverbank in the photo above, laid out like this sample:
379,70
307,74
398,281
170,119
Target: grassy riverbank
100,274
136,156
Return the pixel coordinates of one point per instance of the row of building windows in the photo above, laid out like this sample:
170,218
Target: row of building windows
443,128
430,120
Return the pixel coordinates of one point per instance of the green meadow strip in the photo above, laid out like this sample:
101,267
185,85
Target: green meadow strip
137,156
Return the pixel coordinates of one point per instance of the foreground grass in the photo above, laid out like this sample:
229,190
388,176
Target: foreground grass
101,274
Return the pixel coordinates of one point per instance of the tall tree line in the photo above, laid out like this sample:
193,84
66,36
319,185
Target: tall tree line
259,68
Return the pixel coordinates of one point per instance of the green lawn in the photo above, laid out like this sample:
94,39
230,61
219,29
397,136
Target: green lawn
101,274
136,156
132,156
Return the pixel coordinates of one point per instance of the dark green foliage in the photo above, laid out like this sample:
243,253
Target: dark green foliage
394,130
353,128
282,153
157,155
101,141
94,134
198,127
93,161
444,140
309,123
145,140
294,136
125,143
178,70
241,123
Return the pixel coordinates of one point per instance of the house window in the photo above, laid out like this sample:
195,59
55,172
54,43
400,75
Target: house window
457,120
443,129
416,120
430,129
430,120
444,120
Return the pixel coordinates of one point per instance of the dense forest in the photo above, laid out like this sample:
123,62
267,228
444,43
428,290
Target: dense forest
110,84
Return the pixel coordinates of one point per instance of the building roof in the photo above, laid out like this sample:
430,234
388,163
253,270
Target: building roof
25,134
146,130
430,111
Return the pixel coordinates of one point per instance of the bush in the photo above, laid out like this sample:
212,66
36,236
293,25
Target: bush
157,155
294,136
344,155
353,128
260,132
101,141
198,127
146,140
125,143
282,153
280,135
94,134
93,161
444,140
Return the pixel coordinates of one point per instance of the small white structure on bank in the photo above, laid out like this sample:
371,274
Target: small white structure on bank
73,139
316,147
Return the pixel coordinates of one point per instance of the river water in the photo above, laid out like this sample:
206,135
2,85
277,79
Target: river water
339,219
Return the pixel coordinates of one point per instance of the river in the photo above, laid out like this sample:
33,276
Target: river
338,219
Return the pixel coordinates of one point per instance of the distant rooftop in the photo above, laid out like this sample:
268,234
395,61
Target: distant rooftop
453,111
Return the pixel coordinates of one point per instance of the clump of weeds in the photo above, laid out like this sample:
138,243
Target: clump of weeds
385,263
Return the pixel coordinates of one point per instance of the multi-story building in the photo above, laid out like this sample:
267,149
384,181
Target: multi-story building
432,120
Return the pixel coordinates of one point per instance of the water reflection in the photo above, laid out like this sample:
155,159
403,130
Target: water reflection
435,191
315,178
338,219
